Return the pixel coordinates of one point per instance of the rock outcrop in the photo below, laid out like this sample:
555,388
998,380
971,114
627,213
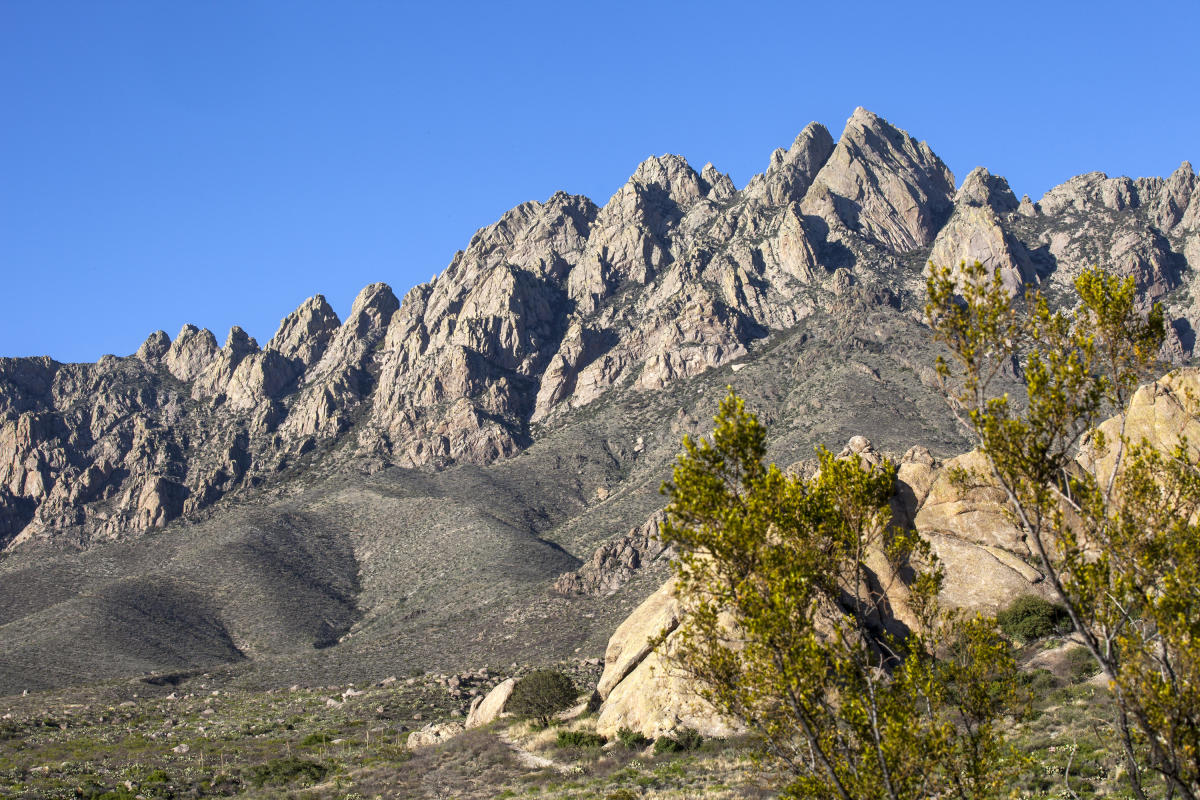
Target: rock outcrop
488,708
955,506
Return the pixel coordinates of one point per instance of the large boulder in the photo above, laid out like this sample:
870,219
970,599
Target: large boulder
486,709
1162,414
433,733
631,643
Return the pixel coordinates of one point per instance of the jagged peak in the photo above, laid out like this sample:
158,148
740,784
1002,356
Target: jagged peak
872,135
193,350
791,172
304,333
663,170
240,343
190,332
883,184
155,346
374,304
720,185
982,188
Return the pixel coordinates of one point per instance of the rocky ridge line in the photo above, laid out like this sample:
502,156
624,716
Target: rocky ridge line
548,310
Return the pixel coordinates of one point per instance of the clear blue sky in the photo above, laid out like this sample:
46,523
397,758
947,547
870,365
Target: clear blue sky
218,162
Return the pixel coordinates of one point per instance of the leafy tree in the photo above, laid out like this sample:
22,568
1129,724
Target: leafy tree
542,694
1119,541
787,587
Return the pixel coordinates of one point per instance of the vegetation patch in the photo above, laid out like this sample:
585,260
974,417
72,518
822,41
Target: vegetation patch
283,771
1030,617
542,694
579,739
684,739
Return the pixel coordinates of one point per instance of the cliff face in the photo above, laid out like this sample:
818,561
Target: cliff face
550,309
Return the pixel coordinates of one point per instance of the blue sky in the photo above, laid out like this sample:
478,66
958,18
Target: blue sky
218,162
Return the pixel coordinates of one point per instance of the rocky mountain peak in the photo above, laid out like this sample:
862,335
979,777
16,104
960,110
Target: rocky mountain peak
791,171
239,343
720,185
193,350
155,347
370,313
982,188
661,187
883,184
304,334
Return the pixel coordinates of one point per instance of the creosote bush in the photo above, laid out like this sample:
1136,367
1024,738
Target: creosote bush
1030,617
1113,520
631,739
282,771
787,625
542,694
579,739
683,740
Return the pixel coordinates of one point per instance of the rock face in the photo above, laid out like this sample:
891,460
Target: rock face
557,306
615,563
643,691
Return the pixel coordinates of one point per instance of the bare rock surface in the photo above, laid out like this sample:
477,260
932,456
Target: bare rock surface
488,708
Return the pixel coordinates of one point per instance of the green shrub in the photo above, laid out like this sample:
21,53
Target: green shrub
286,770
580,739
157,776
1080,665
632,740
1030,617
542,694
684,739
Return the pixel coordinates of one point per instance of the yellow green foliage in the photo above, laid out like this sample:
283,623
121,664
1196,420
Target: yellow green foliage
1120,546
788,628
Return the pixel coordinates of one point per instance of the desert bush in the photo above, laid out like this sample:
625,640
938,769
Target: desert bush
684,739
1080,665
281,771
631,739
579,739
1030,617
542,694
622,794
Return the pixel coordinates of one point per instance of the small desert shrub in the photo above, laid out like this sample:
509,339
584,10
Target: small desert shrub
684,739
580,739
631,739
542,694
286,770
1080,665
315,739
1030,617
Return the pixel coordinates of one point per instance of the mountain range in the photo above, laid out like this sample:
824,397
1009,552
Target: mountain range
469,475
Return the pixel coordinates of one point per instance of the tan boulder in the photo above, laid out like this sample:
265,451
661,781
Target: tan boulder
980,577
631,642
485,709
1160,413
655,699
434,733
976,513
